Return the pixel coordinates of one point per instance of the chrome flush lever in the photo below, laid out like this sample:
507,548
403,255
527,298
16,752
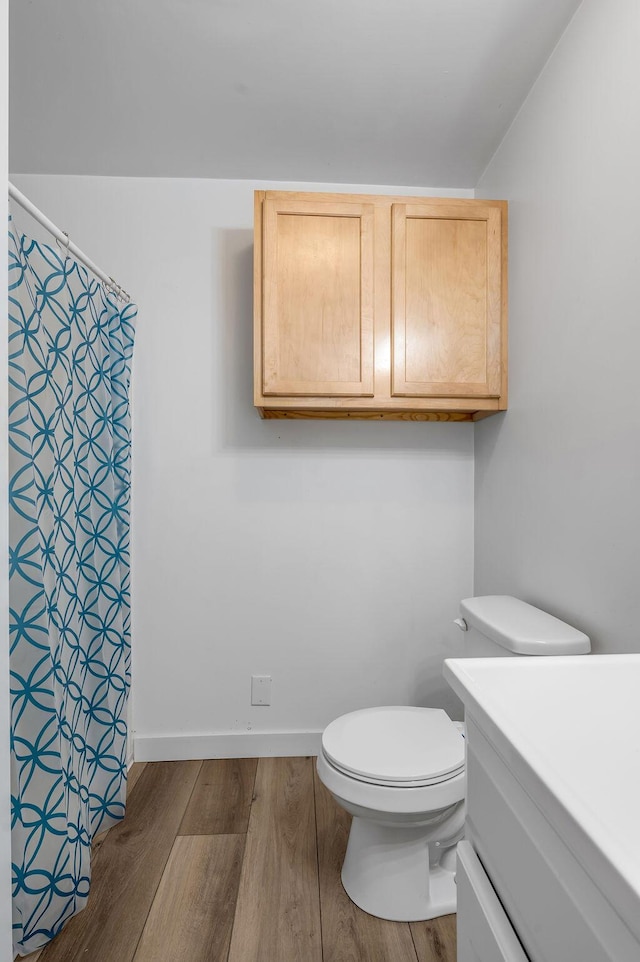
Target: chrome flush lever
461,623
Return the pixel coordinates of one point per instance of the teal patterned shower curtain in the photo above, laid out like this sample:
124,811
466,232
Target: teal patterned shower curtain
70,349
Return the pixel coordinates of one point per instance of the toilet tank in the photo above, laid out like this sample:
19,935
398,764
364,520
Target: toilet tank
500,625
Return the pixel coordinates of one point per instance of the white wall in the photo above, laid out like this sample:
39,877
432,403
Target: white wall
558,476
331,555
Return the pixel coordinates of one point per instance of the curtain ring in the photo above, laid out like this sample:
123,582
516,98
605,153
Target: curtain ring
119,292
64,247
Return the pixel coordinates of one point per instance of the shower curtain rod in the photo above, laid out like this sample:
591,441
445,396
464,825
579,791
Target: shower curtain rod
68,244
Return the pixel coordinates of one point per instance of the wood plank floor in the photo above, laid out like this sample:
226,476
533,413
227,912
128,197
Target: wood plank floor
232,860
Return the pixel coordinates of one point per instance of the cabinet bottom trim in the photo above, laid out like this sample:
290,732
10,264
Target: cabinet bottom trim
270,413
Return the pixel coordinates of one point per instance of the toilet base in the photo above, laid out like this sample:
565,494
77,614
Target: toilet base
387,872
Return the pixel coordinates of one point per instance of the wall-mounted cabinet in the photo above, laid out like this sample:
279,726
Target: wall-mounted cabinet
379,307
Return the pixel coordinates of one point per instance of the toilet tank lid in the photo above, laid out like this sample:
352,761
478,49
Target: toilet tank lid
522,628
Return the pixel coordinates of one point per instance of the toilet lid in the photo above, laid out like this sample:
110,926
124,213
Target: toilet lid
397,746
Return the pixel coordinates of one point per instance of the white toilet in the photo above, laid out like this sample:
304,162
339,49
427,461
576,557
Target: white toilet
400,772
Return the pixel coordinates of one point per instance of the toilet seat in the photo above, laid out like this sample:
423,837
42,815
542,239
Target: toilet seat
395,746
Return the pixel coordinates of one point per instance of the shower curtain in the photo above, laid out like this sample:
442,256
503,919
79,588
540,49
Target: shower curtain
70,349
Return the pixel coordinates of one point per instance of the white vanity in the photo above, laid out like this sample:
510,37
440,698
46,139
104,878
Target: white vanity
550,869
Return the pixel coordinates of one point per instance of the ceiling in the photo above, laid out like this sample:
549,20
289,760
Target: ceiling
394,92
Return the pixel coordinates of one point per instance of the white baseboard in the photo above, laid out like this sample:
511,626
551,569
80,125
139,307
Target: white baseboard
170,748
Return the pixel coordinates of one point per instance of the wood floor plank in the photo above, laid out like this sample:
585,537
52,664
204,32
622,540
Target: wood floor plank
133,775
192,914
278,911
97,843
435,941
221,799
127,869
348,933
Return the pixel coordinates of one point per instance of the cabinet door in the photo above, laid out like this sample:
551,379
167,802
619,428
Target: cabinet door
446,300
317,311
484,930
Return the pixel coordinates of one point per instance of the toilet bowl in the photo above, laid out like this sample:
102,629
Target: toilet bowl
400,772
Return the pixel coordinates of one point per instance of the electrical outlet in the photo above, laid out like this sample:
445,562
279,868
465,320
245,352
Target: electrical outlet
261,689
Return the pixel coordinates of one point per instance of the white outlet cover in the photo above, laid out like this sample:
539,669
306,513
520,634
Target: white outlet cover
261,689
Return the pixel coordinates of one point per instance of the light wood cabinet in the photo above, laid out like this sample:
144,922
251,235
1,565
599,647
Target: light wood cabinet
379,307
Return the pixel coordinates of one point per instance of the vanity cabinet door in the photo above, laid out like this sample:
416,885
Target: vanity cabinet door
317,332
446,300
485,933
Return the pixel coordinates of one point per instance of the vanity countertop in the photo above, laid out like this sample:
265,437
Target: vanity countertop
568,728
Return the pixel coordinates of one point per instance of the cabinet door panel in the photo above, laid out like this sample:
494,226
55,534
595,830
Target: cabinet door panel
318,299
485,933
446,300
